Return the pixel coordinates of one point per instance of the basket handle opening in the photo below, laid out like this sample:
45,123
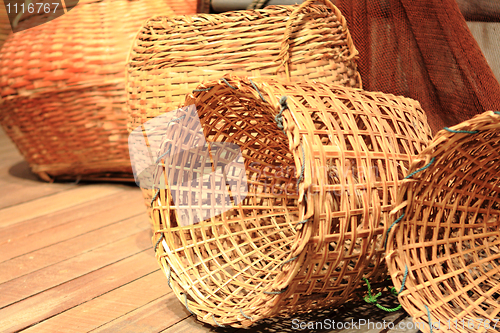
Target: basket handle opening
284,55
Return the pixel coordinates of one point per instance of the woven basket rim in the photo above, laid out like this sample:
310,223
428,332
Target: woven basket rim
485,120
397,257
40,93
214,20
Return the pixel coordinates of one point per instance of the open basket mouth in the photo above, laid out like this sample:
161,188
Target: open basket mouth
274,197
231,202
446,246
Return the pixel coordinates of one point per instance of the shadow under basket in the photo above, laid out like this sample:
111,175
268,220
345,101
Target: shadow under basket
303,220
445,246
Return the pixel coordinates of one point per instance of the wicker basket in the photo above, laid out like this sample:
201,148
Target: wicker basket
321,169
446,245
62,87
171,56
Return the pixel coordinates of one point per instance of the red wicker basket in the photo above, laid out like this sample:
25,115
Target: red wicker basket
62,88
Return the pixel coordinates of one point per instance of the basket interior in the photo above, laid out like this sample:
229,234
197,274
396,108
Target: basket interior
453,243
229,258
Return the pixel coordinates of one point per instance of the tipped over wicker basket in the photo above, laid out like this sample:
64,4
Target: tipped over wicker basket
321,169
171,56
445,246
62,87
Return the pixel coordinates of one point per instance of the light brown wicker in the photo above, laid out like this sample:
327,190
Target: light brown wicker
62,88
171,56
447,241
322,167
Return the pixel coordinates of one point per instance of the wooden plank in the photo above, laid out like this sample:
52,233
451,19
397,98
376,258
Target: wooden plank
69,248
91,208
65,296
28,285
20,185
8,147
5,140
6,144
55,202
66,225
17,191
152,317
9,158
3,135
105,308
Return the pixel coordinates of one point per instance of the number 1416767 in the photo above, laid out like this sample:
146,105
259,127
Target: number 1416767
38,7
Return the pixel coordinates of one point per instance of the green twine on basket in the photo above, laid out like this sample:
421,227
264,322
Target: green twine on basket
429,316
459,131
372,299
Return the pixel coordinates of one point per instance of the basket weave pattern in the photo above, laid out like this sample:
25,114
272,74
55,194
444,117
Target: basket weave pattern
316,213
62,88
447,238
172,56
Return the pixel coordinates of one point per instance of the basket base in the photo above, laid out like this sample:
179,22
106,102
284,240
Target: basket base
115,172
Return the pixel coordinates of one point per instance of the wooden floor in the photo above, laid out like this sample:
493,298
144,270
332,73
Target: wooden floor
78,258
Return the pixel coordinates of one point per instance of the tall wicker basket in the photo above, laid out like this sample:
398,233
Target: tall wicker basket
319,166
171,56
445,246
62,88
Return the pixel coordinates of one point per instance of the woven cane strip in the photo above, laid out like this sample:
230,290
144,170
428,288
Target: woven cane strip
320,190
62,88
448,237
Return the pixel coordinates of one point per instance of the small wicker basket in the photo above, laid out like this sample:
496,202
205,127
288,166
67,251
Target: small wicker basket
445,245
322,166
171,56
62,88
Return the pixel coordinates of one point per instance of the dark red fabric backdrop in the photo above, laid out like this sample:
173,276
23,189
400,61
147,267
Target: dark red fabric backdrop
422,49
